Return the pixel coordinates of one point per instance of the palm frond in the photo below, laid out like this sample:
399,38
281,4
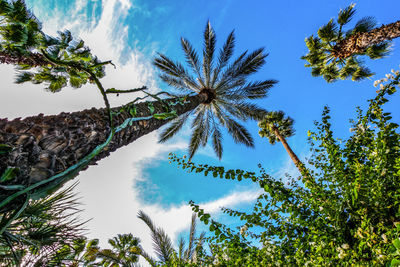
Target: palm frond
217,141
224,56
174,127
176,70
251,63
208,52
244,110
192,58
229,73
239,133
195,139
181,248
346,15
162,244
192,233
328,32
206,126
252,90
365,24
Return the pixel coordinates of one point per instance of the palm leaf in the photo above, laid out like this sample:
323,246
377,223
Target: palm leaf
365,24
239,133
346,15
162,244
192,58
195,139
208,52
217,141
192,233
224,56
174,128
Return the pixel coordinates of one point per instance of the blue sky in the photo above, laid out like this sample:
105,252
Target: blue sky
131,32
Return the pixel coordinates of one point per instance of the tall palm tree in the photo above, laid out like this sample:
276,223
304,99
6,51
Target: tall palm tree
276,127
224,89
41,152
162,244
334,53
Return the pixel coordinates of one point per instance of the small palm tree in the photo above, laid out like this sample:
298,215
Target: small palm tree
334,53
31,234
276,127
125,251
223,88
162,244
82,252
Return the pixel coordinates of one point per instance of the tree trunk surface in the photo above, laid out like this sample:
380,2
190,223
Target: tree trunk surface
47,145
33,59
358,42
292,155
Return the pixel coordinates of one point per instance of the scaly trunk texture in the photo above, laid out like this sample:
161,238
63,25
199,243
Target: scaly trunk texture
358,42
292,155
33,59
47,145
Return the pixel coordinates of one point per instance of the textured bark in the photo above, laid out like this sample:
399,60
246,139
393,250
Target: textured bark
47,145
358,42
33,59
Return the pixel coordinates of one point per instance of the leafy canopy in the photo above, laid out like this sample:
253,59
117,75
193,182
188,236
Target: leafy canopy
275,120
322,56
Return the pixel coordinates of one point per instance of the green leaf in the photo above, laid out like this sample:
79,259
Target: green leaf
396,243
4,149
9,174
395,262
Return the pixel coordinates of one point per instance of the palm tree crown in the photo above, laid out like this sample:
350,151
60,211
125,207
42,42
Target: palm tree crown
275,121
224,88
333,54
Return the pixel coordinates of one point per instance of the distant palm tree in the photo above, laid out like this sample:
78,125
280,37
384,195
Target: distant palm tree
162,244
124,252
223,88
276,127
333,54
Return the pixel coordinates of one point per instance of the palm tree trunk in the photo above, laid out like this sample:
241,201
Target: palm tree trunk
32,59
292,155
47,145
358,42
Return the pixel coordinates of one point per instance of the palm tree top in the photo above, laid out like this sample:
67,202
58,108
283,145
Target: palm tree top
224,87
276,121
333,54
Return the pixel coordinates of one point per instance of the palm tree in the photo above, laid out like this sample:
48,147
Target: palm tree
334,53
32,234
82,252
162,244
125,251
40,153
276,127
223,88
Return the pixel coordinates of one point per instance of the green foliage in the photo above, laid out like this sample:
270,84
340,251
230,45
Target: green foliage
224,87
19,28
32,234
166,254
346,211
275,121
323,51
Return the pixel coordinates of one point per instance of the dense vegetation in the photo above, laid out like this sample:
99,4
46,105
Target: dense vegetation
343,208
